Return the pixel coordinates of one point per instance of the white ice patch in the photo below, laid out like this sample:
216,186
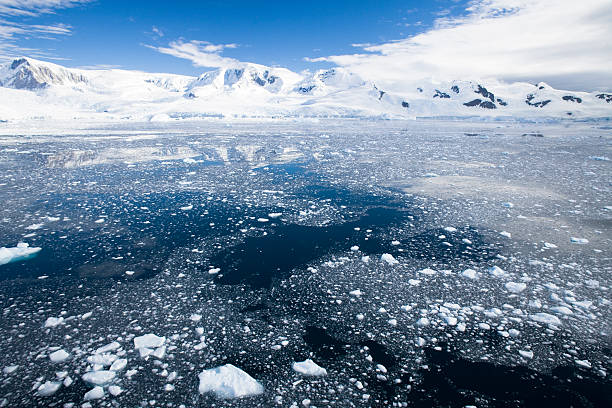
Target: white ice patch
497,271
309,367
470,274
228,381
95,393
59,356
48,388
54,321
546,318
388,258
19,253
516,287
100,377
148,340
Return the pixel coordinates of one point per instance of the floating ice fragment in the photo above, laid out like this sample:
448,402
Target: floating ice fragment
584,363
10,369
526,354
109,347
114,390
505,234
48,388
508,205
309,367
95,393
549,245
546,318
356,292
100,377
275,215
148,340
388,258
118,364
228,381
423,321
516,287
59,356
21,252
428,271
450,229
187,207
354,248
54,321
470,274
497,271
263,220
576,240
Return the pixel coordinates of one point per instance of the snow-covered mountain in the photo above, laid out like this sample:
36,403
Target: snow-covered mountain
35,89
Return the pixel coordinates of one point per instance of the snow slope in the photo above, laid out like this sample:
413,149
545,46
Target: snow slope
32,89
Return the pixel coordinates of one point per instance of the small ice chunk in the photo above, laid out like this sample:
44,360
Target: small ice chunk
388,258
228,381
109,347
148,340
505,234
48,388
195,317
59,356
546,318
354,248
54,321
549,245
497,271
19,253
508,205
10,369
263,219
114,390
526,354
95,393
470,274
119,364
275,215
428,271
423,321
516,287
187,207
450,229
309,367
584,363
100,377
575,240
356,292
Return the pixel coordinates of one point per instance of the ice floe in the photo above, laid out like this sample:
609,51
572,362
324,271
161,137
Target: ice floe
309,367
21,252
228,381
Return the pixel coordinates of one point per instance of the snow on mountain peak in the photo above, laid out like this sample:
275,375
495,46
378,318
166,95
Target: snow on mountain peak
31,74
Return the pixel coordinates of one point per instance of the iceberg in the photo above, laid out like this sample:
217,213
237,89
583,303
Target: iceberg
21,252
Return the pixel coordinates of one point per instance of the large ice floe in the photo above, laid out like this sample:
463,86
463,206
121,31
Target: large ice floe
228,381
21,252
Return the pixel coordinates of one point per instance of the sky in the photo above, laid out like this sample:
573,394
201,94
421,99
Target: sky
566,43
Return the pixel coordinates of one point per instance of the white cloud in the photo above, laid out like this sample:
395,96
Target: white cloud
200,53
564,42
13,28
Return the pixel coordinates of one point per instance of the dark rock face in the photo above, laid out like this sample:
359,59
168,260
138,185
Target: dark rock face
306,89
502,102
405,104
482,104
420,89
440,94
455,89
475,102
380,94
18,62
264,79
190,95
605,96
539,104
483,91
571,98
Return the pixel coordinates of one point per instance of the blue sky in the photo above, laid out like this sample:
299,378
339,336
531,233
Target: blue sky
563,42
112,32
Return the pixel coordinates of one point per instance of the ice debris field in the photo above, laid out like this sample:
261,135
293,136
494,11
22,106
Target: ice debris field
307,264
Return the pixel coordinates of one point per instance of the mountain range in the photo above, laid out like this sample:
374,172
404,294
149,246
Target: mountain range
32,89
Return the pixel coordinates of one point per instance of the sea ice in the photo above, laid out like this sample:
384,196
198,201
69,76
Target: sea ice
99,377
59,356
309,367
21,252
148,340
516,287
48,388
546,318
388,258
228,381
95,393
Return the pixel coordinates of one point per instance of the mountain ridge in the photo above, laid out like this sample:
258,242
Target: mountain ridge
31,88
